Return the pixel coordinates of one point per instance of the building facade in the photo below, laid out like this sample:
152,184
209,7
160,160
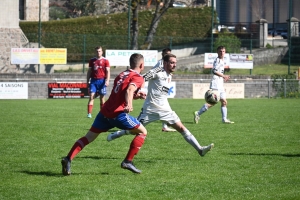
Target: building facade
249,11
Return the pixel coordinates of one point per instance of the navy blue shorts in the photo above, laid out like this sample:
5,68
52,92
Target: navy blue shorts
98,85
123,121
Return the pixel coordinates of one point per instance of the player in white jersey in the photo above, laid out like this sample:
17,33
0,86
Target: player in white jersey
156,106
160,63
217,83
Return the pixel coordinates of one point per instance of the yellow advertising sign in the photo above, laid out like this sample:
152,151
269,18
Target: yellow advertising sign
53,56
38,56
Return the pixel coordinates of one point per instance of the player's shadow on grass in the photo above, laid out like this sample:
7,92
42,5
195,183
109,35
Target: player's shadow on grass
42,173
265,154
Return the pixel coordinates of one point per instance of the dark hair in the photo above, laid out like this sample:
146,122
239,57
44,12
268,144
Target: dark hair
165,50
168,56
135,59
98,47
220,47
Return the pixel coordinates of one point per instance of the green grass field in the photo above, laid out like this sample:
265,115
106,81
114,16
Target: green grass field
258,157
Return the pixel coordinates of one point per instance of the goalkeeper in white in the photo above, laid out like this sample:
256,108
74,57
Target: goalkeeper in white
157,107
217,83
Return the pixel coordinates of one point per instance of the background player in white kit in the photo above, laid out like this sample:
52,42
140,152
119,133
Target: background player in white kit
217,83
156,106
160,63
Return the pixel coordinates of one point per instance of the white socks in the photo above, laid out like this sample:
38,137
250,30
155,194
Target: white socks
191,139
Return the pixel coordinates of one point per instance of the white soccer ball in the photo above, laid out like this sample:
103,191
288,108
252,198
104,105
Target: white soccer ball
211,97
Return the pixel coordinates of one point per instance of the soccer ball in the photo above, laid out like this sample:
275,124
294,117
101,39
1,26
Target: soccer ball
211,97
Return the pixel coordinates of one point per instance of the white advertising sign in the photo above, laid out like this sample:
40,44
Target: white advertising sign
171,93
121,57
232,61
13,90
241,61
209,59
233,90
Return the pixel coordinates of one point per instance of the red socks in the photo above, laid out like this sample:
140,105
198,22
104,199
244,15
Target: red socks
77,147
90,108
135,146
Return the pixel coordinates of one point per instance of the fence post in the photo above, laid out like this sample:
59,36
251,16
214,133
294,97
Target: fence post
171,39
83,57
269,88
284,80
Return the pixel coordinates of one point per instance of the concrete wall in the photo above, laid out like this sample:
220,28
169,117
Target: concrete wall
255,86
9,15
32,10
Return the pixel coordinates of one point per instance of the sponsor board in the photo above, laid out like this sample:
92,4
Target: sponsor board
67,90
233,90
13,90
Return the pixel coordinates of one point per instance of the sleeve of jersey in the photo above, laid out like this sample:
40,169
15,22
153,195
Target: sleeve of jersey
107,63
151,74
137,80
215,69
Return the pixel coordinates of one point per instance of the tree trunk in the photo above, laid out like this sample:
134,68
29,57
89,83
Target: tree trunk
159,12
135,25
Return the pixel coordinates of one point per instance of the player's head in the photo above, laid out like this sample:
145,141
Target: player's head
221,51
170,63
136,62
165,51
98,51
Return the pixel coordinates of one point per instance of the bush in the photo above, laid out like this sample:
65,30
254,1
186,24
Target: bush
230,41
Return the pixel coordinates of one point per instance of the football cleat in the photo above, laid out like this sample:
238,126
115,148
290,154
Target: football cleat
205,149
227,121
129,165
196,117
66,166
115,135
168,130
89,115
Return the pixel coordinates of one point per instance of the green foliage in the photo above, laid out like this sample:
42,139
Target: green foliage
56,12
255,158
230,41
268,46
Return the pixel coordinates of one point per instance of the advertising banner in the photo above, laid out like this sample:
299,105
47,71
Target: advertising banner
121,57
233,90
13,90
232,61
38,56
209,59
67,90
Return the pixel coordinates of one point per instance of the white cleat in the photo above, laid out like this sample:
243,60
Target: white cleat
196,117
227,121
206,149
115,135
168,130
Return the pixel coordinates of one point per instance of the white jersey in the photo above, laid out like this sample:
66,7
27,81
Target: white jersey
217,82
158,88
160,63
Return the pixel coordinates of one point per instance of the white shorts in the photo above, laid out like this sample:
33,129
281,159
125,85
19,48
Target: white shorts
169,117
222,93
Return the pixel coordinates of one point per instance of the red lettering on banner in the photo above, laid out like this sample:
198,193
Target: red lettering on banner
73,85
52,85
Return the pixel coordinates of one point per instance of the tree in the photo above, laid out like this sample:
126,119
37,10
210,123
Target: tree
80,8
160,9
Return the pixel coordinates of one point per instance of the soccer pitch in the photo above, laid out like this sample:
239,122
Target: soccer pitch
258,157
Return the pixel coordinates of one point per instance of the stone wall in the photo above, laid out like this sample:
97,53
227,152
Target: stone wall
9,38
255,86
32,10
